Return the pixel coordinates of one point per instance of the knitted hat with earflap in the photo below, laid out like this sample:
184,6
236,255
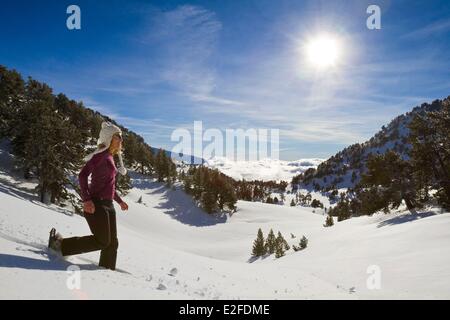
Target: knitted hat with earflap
105,137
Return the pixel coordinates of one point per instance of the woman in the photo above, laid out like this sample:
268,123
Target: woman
98,201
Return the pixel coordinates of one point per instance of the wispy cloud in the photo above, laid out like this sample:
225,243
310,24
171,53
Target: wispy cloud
430,29
186,37
216,100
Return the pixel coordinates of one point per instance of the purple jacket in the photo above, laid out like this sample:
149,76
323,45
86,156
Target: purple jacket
103,178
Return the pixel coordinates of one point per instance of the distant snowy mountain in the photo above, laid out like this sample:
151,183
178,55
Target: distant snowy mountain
266,169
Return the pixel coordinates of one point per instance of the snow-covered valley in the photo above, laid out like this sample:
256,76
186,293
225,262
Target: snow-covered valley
170,249
265,169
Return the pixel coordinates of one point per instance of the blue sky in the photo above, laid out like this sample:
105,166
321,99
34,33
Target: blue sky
155,66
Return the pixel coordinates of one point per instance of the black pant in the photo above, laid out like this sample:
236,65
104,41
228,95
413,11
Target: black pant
103,227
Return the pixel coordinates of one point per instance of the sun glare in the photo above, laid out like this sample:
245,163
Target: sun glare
323,51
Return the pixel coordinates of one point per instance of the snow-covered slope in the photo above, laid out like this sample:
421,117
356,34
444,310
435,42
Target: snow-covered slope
170,249
265,170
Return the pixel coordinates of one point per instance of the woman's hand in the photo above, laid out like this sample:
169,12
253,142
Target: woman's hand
123,206
89,207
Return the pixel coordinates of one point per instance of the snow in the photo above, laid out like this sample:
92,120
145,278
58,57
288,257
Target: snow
314,195
170,249
265,169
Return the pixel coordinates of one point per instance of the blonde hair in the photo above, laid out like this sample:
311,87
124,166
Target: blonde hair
112,150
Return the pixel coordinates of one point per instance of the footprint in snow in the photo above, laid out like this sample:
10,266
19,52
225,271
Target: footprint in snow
161,287
173,272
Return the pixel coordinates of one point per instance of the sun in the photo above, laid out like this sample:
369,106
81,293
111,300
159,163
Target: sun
323,51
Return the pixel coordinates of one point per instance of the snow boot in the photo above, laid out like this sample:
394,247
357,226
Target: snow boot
54,241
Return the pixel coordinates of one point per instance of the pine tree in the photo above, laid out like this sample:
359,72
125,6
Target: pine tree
160,165
307,199
316,204
394,175
229,196
123,184
270,242
279,251
187,183
198,184
292,203
259,248
12,90
280,245
329,221
141,153
286,246
209,201
171,172
46,143
303,243
430,154
354,177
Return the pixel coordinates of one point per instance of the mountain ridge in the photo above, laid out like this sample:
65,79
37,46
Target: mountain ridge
344,169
